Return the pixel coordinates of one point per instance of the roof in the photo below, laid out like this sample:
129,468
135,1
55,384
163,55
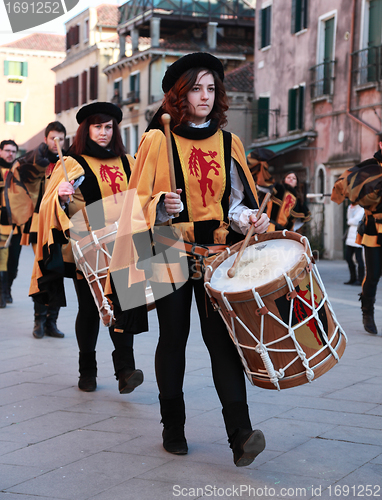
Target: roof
39,41
240,79
107,15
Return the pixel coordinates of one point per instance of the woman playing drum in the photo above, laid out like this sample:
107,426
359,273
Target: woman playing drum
214,191
97,169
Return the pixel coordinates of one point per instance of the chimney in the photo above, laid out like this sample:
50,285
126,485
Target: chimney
211,35
155,31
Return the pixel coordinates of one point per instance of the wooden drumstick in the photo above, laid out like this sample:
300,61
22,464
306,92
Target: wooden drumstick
232,271
166,119
59,151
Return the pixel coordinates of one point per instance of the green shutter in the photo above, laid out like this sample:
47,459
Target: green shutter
293,20
6,68
17,112
24,69
263,117
328,54
374,38
301,107
7,111
292,94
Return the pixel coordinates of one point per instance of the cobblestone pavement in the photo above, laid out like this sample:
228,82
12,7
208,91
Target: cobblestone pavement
324,439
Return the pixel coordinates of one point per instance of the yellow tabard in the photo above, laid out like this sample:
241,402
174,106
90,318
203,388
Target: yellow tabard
204,175
113,182
288,203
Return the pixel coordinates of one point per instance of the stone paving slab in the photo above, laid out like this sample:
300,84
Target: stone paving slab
57,443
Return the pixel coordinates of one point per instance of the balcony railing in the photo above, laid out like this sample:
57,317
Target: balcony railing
211,9
322,80
367,65
132,97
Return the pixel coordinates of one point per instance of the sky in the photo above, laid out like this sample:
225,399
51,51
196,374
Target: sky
56,26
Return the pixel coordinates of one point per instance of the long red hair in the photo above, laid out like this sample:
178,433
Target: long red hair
79,143
175,100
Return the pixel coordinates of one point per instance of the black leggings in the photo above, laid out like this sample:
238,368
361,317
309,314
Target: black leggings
373,259
174,313
87,328
358,252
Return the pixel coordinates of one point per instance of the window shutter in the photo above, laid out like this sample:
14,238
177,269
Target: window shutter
293,17
6,68
301,101
57,98
7,111
84,85
94,83
24,69
17,112
75,91
304,15
263,116
292,109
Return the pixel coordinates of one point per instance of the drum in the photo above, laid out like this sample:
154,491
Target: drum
276,310
92,255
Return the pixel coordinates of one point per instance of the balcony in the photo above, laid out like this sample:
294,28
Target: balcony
132,97
206,10
322,80
367,66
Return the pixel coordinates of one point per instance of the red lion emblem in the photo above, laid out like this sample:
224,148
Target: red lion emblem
112,175
198,165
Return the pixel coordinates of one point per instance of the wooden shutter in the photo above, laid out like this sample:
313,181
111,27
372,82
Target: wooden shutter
57,98
24,68
292,94
84,87
301,101
6,68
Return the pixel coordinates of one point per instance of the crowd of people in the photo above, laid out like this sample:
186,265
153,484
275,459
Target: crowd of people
42,192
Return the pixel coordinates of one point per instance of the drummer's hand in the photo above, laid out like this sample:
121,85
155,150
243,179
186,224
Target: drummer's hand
65,189
261,225
172,202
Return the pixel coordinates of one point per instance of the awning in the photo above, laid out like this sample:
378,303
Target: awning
285,147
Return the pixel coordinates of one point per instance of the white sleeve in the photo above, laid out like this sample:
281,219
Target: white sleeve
238,213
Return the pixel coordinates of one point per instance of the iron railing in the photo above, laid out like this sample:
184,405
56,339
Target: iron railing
322,79
367,65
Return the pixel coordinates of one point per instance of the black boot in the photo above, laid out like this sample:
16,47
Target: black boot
51,323
3,289
9,298
173,419
124,364
88,371
40,311
245,443
368,314
352,278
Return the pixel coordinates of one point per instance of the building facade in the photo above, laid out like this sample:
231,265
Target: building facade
317,95
27,87
91,45
153,35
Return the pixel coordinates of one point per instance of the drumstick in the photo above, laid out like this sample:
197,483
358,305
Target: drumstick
59,151
166,118
232,271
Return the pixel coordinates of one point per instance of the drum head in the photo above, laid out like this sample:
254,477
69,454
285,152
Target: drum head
260,263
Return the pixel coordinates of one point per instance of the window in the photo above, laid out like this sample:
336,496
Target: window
15,68
133,95
73,36
265,26
299,15
84,87
93,90
126,139
263,117
86,30
135,138
296,108
117,91
323,72
13,111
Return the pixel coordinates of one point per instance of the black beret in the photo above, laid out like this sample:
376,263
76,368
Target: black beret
96,108
195,60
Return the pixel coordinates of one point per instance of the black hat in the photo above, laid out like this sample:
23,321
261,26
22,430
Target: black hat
195,60
96,108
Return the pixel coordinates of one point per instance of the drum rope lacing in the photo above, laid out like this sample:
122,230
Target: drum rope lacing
93,276
262,348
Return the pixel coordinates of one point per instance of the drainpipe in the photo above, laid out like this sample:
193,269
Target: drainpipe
348,106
